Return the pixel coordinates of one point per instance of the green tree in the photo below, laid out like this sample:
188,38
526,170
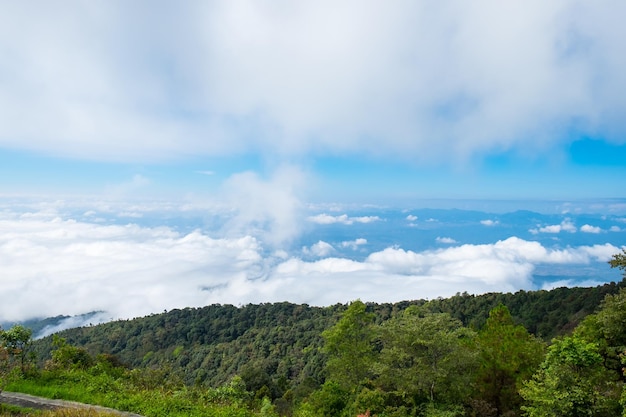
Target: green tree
17,341
571,382
349,347
508,355
426,357
66,356
328,401
619,260
607,328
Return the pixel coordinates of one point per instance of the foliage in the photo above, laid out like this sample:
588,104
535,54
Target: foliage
571,382
349,346
619,260
509,355
17,341
414,361
426,357
607,328
66,356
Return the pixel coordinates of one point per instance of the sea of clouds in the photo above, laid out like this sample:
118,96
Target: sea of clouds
61,258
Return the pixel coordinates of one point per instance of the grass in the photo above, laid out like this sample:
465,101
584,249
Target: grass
130,393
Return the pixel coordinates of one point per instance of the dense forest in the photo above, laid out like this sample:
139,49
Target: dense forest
535,353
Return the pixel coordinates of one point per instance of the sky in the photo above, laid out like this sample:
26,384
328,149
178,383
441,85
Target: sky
179,143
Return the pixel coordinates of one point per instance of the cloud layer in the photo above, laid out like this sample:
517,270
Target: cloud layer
55,265
447,80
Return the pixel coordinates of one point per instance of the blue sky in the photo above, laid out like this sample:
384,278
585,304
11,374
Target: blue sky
247,119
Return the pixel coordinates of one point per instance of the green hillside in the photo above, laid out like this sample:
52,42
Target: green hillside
279,345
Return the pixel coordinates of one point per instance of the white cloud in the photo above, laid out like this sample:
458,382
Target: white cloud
250,75
446,240
565,226
489,222
266,208
341,219
54,267
354,244
615,229
586,228
328,219
319,249
52,264
366,219
411,218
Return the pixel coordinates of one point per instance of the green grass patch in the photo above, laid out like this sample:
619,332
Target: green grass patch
131,392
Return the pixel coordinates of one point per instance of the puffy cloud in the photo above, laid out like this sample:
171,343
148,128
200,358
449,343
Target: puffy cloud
328,219
56,266
341,219
319,249
411,218
565,226
586,228
145,81
615,229
267,208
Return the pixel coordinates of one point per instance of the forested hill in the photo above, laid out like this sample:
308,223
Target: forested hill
278,345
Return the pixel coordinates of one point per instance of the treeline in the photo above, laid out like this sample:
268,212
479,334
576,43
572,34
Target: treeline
209,345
